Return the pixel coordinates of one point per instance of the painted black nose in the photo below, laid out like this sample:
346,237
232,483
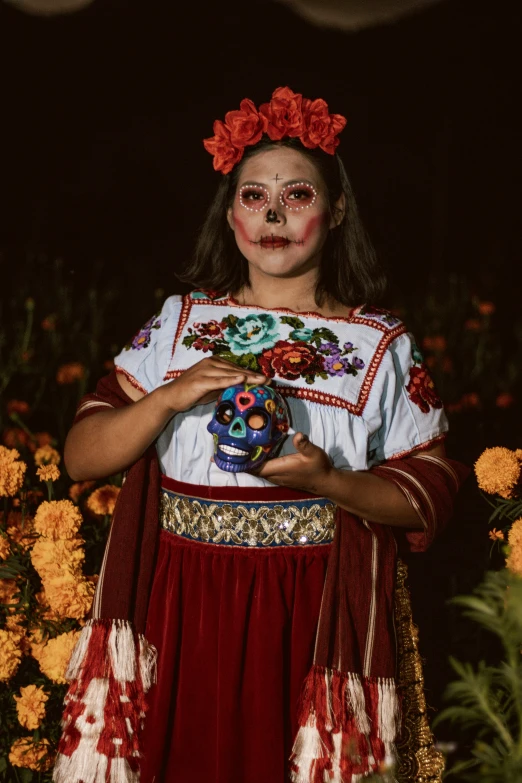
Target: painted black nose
271,216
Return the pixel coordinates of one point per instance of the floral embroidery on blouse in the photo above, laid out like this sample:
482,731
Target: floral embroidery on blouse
207,294
421,389
384,316
256,342
142,338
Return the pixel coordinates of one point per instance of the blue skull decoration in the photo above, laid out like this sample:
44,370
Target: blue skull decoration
248,423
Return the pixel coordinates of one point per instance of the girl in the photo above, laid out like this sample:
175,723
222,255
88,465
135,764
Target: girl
268,595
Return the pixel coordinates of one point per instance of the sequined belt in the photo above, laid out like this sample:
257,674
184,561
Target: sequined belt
248,523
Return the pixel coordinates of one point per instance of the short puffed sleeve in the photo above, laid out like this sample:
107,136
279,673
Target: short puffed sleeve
144,360
404,411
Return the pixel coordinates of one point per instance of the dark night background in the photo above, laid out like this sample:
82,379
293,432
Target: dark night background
102,117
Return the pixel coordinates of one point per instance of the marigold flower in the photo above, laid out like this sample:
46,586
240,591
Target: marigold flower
77,490
49,323
57,519
69,373
435,343
30,706
10,655
453,407
20,529
37,642
5,548
43,438
472,325
9,589
498,471
486,308
48,473
32,755
13,622
54,657
496,535
514,558
12,472
504,400
69,595
51,558
46,455
17,406
471,400
16,438
103,500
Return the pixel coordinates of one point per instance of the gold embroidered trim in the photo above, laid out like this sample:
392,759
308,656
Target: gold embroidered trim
418,761
244,524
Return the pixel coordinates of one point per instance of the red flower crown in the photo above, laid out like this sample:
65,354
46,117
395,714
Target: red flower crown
287,115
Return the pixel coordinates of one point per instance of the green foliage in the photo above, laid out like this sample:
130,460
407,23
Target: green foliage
488,700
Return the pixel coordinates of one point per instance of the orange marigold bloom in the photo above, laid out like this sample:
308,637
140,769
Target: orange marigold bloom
51,558
5,548
103,500
30,706
20,529
486,308
9,590
17,406
471,400
16,438
77,490
57,519
504,400
43,438
48,473
49,323
69,595
514,559
496,535
435,343
46,455
32,755
54,657
10,654
12,472
69,373
472,325
498,471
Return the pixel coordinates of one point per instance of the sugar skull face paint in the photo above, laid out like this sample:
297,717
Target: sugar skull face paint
254,197
298,196
248,424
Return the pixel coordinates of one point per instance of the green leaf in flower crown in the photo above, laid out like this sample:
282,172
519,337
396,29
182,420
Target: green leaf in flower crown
292,321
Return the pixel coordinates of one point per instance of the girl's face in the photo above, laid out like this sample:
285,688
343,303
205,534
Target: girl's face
280,215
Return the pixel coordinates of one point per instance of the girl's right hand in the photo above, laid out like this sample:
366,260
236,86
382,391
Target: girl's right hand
204,381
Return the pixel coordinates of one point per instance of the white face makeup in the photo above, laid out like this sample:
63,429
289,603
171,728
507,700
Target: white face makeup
280,215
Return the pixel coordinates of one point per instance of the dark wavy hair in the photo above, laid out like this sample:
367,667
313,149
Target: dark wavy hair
349,271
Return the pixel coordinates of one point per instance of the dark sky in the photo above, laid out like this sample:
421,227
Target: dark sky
103,113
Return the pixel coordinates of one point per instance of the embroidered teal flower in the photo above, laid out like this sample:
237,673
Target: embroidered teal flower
303,334
252,334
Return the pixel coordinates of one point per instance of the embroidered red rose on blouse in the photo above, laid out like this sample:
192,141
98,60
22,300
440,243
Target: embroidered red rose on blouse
421,389
290,360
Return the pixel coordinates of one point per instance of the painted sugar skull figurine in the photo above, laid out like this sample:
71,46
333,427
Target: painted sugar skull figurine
249,422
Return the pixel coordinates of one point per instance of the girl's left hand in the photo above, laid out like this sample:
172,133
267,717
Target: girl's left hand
307,470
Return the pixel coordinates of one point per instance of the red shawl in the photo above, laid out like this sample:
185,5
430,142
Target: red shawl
349,711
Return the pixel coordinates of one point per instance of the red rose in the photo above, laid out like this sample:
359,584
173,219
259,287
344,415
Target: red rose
220,146
421,389
246,126
321,127
283,114
289,360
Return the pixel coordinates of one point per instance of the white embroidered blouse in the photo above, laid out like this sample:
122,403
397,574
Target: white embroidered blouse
356,386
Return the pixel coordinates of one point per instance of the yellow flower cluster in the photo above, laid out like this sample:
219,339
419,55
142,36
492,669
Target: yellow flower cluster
54,654
33,755
5,547
103,500
77,490
30,706
514,558
20,529
498,471
57,519
58,557
10,654
48,473
46,455
12,472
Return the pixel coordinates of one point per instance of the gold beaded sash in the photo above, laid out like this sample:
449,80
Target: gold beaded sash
248,523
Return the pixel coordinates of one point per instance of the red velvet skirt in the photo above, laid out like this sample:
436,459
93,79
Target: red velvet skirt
234,625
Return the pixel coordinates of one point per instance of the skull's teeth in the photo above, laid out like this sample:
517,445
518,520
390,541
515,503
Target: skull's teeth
232,450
